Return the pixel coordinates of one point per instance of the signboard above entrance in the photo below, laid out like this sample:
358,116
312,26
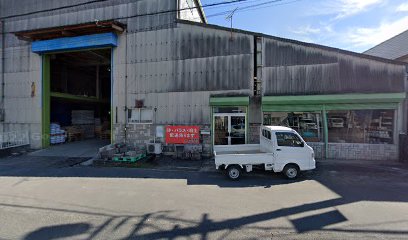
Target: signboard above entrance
182,135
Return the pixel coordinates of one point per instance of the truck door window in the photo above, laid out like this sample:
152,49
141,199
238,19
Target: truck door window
268,135
286,139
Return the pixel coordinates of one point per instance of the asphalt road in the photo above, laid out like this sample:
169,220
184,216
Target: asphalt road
44,198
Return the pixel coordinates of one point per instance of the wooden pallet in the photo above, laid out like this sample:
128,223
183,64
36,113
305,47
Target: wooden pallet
129,159
74,133
74,137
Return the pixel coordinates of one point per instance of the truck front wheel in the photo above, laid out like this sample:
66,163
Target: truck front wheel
291,171
234,172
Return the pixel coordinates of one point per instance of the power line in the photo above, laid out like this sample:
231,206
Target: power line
217,4
132,16
53,9
147,14
254,7
188,8
237,3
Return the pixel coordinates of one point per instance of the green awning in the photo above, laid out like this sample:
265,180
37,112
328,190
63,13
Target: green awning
332,102
318,108
335,98
229,101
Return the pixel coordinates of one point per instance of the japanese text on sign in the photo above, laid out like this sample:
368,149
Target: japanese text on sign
183,134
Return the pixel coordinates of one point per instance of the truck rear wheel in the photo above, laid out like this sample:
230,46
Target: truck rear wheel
234,172
291,171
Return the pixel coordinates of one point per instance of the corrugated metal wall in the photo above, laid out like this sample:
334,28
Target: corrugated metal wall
291,68
125,11
177,69
22,67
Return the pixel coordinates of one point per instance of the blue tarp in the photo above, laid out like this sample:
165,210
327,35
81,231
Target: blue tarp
75,43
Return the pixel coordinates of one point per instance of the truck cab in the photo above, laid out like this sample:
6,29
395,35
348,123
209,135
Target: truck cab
288,146
281,149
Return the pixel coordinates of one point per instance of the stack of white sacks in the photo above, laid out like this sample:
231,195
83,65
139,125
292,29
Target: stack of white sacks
57,135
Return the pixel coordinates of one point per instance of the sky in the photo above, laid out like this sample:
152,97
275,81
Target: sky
355,25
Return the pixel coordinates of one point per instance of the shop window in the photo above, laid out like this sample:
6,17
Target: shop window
307,124
361,126
286,139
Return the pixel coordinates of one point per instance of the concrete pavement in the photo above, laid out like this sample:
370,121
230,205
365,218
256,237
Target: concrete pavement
85,148
44,198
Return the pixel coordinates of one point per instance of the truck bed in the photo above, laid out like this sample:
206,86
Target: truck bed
254,151
241,154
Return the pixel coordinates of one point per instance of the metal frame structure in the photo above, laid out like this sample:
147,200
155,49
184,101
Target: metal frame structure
14,139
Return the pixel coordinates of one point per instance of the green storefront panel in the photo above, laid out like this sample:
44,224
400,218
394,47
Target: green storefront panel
361,106
291,108
229,101
334,99
332,102
314,108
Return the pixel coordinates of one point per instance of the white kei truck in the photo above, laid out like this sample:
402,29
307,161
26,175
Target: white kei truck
281,149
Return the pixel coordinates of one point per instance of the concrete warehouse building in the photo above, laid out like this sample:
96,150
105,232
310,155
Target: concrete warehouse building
130,68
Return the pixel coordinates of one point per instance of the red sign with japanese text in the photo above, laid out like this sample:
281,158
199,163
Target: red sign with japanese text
183,134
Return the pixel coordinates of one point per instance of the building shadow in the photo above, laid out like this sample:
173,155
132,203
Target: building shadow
59,231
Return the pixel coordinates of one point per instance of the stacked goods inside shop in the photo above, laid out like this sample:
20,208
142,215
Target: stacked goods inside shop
85,121
74,133
80,85
57,135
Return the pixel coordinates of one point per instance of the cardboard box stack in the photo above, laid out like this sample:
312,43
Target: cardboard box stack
85,121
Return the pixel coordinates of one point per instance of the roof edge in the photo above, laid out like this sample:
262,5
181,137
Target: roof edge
201,11
332,49
381,43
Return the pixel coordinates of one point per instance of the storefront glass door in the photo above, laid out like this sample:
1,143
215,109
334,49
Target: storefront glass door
229,129
221,131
